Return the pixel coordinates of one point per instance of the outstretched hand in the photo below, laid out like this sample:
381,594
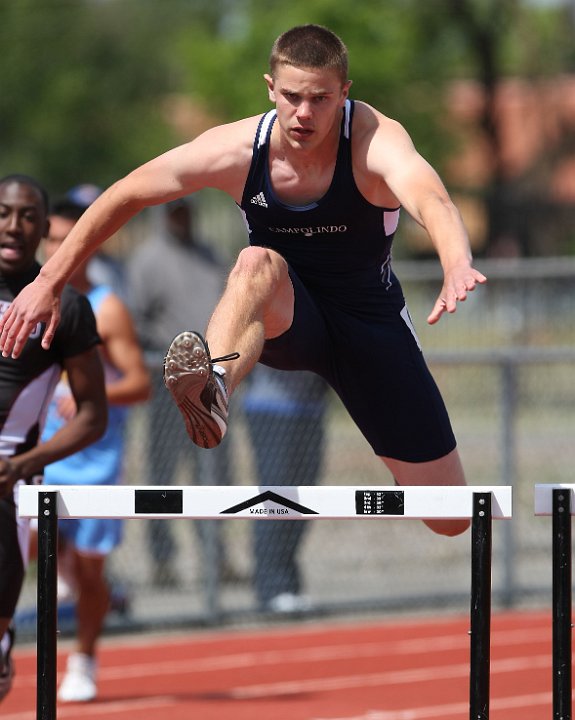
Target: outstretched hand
36,303
456,284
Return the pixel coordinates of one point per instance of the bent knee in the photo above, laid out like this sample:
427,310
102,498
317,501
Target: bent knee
259,263
262,276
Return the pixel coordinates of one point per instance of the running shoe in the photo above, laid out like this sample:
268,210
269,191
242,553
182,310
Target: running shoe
79,683
6,664
288,603
198,387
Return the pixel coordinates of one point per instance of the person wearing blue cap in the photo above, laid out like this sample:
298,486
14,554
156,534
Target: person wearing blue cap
103,268
86,543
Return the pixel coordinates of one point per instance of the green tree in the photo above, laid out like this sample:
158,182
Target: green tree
223,60
86,85
81,89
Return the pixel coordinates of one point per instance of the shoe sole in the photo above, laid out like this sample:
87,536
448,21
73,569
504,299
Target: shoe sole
187,369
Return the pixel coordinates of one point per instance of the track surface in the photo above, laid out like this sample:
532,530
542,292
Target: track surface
394,669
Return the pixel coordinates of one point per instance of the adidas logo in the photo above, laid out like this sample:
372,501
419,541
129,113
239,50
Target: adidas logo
259,199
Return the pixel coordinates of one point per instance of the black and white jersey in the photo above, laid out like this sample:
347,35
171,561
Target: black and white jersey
27,383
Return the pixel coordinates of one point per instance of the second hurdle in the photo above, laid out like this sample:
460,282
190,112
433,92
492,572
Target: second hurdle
480,504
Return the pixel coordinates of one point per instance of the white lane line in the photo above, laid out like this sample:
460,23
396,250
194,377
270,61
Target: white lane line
297,656
514,702
394,677
422,713
104,708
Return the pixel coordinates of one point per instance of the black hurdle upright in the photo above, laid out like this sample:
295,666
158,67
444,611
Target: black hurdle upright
480,614
562,706
47,610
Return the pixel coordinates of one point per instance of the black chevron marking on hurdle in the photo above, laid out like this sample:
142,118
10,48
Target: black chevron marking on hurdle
269,495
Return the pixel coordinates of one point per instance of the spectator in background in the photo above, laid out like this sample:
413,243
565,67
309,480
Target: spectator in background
285,414
103,268
89,541
160,275
27,385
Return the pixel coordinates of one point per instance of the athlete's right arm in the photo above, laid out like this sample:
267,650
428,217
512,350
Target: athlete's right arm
219,158
86,378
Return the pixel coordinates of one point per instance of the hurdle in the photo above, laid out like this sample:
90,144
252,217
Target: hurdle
480,504
556,500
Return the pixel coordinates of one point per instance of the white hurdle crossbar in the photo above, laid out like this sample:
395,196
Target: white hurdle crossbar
557,500
480,504
273,503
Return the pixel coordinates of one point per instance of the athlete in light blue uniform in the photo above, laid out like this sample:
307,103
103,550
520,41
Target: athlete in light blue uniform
97,464
88,542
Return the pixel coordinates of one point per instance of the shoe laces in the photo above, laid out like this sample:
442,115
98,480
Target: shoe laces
224,358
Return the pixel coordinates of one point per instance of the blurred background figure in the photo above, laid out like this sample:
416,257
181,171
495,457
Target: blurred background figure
86,543
103,268
285,413
160,274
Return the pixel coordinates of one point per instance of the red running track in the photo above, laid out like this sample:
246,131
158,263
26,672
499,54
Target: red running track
395,669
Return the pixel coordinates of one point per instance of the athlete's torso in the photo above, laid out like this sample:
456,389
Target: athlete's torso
27,384
340,246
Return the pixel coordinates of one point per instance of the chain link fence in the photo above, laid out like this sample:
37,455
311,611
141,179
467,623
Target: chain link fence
505,364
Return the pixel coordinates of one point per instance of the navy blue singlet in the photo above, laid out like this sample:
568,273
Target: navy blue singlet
351,325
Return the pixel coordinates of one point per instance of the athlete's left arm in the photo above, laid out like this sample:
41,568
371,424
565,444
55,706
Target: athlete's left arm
394,164
86,379
121,348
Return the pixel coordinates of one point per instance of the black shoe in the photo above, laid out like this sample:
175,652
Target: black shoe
7,666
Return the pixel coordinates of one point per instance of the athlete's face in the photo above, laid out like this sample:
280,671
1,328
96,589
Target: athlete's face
308,103
23,223
59,229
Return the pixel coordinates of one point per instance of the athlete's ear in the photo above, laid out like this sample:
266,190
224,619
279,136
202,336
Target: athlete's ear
270,83
345,90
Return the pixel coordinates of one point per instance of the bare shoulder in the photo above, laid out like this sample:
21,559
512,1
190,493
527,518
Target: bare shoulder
371,125
220,157
379,144
237,135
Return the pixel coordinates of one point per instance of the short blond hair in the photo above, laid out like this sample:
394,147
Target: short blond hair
310,46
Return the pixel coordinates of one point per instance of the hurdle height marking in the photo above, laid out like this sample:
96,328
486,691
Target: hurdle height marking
288,503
